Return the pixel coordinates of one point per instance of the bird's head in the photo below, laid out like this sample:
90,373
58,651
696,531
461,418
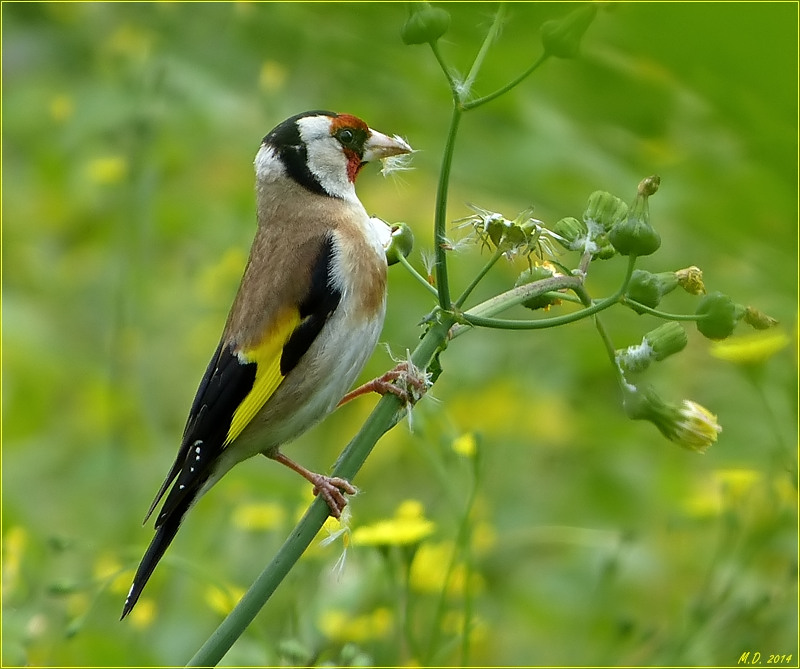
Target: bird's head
323,151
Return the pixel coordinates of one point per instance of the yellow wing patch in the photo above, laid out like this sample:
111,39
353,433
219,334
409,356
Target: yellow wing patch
267,356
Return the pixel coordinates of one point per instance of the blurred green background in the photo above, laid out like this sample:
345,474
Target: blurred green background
128,137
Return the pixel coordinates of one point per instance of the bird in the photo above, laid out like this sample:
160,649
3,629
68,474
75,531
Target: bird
307,315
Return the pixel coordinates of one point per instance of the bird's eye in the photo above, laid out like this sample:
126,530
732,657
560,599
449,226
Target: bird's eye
345,136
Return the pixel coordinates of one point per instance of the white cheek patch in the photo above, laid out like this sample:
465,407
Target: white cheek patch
325,157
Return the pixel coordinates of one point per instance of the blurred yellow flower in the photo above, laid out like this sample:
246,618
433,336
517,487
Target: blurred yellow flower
222,600
107,567
338,625
429,571
750,349
735,484
465,445
259,517
61,108
409,526
107,170
144,613
15,542
723,489
272,76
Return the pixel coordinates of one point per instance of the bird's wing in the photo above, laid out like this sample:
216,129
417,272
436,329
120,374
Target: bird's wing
237,383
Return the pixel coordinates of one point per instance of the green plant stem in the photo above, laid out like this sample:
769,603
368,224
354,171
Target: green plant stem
472,104
539,324
385,415
628,302
461,545
494,31
478,277
451,82
481,315
440,217
420,279
609,345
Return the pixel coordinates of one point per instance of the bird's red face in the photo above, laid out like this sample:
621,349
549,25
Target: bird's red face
352,133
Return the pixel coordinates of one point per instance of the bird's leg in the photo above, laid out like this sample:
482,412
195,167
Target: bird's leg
331,488
405,381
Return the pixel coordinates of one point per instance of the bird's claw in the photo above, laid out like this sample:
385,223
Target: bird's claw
405,381
332,489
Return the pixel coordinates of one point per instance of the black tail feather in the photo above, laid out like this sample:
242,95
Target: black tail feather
165,533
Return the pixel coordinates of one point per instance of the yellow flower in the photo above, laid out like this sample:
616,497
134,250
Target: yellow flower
108,568
465,445
750,349
272,76
144,613
429,571
61,108
14,544
737,483
107,170
725,489
259,517
222,600
338,625
409,526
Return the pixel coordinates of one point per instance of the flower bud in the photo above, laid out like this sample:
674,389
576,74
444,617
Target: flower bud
425,25
401,242
758,319
604,209
658,344
720,316
562,37
543,271
648,288
572,234
634,236
666,340
688,424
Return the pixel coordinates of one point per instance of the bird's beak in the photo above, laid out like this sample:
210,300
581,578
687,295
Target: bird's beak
379,146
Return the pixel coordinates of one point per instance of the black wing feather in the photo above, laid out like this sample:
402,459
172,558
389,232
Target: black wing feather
315,309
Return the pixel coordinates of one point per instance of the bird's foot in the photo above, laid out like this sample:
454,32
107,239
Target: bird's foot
331,488
406,381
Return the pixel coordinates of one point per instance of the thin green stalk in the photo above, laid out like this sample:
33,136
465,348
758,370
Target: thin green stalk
481,315
461,545
609,345
472,104
660,314
541,323
420,279
478,277
440,217
451,81
494,31
383,417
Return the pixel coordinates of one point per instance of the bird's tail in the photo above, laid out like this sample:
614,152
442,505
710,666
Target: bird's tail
165,533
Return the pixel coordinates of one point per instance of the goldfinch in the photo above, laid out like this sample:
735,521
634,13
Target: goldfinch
305,320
